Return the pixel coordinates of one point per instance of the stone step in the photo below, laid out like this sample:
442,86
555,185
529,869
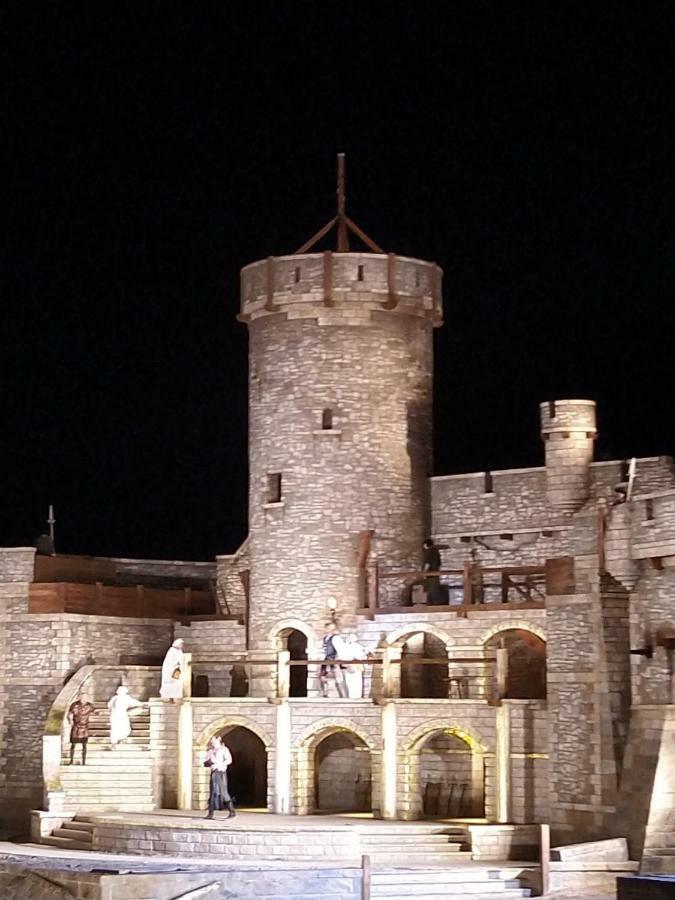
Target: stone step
401,840
419,857
97,769
66,843
440,891
74,834
81,823
105,806
486,878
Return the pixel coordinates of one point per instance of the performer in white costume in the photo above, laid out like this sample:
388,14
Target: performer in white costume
171,687
119,706
348,647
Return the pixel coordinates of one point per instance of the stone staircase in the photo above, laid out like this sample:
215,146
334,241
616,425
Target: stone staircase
427,860
75,834
412,844
120,779
472,883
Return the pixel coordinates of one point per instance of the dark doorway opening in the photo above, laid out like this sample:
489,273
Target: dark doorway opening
247,774
342,774
296,644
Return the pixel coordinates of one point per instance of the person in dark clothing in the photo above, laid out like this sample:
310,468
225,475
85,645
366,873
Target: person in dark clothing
218,758
329,652
79,714
431,562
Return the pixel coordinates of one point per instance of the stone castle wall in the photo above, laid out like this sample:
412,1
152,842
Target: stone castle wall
38,653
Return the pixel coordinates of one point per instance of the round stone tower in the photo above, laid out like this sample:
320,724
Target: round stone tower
568,430
340,394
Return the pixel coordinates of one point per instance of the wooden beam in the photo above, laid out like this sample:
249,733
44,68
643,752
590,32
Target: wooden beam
316,237
328,279
360,233
342,235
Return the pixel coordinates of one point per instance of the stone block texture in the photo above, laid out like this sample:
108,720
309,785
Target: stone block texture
339,426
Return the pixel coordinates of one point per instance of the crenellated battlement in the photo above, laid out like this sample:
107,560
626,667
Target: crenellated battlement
341,288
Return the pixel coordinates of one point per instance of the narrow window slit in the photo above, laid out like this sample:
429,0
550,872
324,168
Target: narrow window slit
488,486
359,273
327,419
274,487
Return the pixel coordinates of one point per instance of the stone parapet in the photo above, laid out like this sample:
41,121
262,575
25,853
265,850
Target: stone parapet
341,288
652,525
16,564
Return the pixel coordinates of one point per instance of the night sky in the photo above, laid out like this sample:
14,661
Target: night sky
153,149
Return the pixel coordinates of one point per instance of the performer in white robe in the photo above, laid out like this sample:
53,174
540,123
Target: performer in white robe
349,648
119,706
171,687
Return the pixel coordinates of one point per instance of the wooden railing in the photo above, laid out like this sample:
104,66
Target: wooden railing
474,585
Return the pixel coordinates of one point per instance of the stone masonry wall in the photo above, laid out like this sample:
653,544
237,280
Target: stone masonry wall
517,505
38,653
647,799
652,610
372,370
588,688
231,572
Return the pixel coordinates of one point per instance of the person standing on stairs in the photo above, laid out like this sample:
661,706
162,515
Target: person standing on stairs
79,714
171,687
120,723
218,758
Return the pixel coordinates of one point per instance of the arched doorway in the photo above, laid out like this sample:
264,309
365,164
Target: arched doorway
429,680
342,774
296,644
527,663
247,775
451,777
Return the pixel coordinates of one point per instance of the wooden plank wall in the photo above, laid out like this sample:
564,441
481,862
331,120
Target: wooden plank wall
110,600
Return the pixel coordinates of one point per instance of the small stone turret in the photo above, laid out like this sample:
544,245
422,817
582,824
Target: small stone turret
568,430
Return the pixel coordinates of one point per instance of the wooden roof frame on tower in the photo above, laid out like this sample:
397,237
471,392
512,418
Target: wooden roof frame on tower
342,222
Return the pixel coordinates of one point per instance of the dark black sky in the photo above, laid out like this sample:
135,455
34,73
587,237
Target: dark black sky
154,148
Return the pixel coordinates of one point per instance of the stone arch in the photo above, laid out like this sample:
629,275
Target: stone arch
292,624
400,635
526,646
416,737
511,624
420,639
459,777
319,730
305,753
282,636
221,724
200,775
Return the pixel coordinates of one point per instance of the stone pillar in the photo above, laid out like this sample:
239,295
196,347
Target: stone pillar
389,761
184,789
283,673
502,670
391,672
282,769
503,762
25,696
588,684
